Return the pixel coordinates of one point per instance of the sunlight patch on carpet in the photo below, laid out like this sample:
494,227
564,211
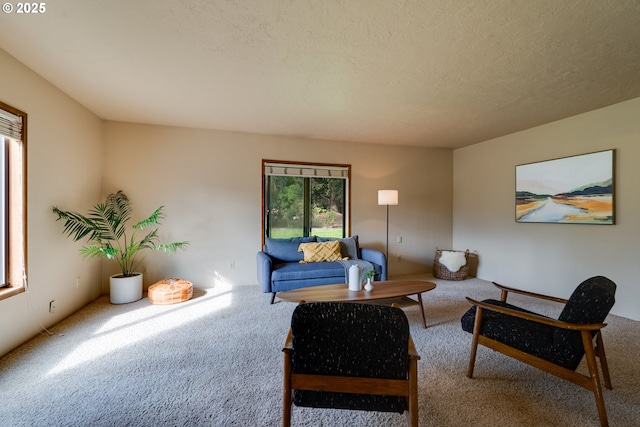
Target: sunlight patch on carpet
145,323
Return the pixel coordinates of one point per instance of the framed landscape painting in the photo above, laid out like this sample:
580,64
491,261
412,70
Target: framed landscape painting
570,190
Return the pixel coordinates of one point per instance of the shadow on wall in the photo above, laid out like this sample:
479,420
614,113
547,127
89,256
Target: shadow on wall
405,266
401,266
473,264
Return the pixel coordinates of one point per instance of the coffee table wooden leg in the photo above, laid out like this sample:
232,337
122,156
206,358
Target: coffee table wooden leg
424,321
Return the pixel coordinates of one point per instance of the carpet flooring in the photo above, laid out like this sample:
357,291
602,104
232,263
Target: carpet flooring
216,361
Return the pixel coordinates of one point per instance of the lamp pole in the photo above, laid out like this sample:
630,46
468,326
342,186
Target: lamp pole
387,197
386,253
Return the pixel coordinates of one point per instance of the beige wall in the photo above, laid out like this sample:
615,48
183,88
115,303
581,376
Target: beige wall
210,182
552,258
63,155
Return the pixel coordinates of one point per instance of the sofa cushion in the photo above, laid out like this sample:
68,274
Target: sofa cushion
312,270
286,250
348,245
320,251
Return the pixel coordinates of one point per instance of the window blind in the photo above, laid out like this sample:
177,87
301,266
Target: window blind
306,170
10,125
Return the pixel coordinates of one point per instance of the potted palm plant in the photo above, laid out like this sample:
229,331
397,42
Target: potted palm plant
105,227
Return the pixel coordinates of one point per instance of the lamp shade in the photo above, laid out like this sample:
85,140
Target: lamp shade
387,197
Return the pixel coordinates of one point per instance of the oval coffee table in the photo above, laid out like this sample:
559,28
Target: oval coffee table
341,293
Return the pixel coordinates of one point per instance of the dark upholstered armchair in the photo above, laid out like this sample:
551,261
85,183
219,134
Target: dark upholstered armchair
554,346
350,356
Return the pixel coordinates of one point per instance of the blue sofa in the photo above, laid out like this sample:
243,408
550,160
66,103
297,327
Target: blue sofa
279,267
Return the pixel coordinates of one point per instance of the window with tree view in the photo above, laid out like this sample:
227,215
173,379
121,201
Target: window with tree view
302,199
13,140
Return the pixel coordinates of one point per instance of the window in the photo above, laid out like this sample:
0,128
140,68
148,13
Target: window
305,199
13,224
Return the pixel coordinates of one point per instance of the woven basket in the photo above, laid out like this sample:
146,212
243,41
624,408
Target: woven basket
442,272
170,291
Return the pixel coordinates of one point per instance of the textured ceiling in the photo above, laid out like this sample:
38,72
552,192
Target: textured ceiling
432,73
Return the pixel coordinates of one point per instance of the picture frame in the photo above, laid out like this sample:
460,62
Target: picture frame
570,190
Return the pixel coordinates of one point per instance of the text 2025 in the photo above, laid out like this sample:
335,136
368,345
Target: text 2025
31,7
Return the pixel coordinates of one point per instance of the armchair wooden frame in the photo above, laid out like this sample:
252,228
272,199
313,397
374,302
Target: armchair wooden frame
589,333
372,386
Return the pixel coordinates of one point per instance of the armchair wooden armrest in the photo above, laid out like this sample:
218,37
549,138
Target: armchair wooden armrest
536,317
288,342
413,353
505,290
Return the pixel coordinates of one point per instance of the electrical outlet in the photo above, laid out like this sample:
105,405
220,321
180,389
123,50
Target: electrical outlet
232,265
52,306
398,239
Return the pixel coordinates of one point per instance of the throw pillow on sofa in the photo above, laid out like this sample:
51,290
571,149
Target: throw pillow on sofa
348,245
321,252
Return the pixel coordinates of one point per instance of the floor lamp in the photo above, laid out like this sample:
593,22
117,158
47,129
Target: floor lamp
387,197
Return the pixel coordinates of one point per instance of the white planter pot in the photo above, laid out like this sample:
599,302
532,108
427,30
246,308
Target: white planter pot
125,289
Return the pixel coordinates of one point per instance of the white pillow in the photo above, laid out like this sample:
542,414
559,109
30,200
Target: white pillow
453,260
